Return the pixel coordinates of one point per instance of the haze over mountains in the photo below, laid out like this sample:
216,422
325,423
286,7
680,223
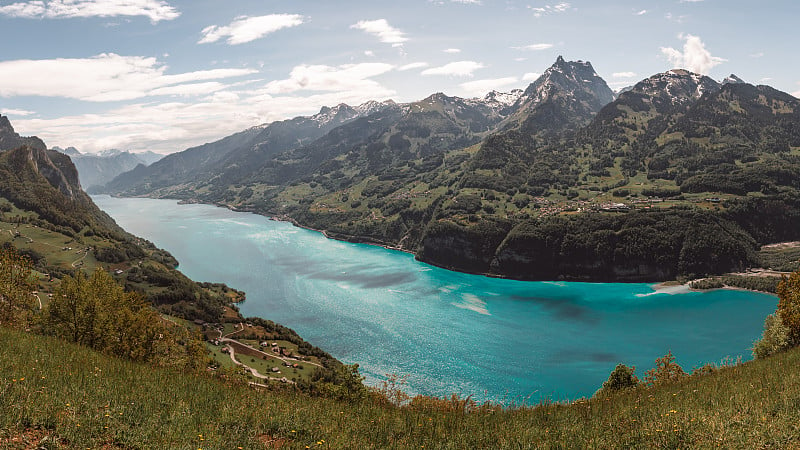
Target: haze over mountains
478,184
98,169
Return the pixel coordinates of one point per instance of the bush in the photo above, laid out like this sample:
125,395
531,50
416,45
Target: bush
665,371
789,306
621,378
774,339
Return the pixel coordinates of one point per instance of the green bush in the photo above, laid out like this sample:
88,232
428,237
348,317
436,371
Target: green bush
774,339
621,378
666,371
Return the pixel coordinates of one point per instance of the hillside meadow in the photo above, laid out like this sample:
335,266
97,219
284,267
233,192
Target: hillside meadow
58,395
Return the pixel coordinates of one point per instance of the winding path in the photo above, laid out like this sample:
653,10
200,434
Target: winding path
253,371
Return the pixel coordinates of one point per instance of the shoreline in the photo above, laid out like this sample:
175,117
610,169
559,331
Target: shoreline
658,286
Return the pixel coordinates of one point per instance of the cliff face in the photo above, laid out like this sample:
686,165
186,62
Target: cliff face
56,168
633,247
9,139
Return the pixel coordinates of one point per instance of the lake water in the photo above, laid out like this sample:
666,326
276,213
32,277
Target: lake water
449,332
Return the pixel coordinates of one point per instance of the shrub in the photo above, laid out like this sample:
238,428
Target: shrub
774,339
622,377
665,371
789,306
16,287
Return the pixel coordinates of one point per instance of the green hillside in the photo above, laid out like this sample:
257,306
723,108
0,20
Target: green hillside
566,183
57,395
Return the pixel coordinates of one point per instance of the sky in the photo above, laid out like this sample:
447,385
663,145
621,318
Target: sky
166,75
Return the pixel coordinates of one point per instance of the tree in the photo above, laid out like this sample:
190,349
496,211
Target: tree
621,378
789,306
16,288
665,371
774,339
97,312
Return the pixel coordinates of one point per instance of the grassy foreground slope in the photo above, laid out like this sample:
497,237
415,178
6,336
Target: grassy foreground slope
58,395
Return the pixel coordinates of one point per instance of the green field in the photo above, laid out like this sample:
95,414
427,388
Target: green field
57,395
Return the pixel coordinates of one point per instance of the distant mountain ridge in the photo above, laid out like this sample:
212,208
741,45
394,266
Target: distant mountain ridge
98,169
476,184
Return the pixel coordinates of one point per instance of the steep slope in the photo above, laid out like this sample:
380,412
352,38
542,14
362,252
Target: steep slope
97,170
236,156
177,167
677,136
10,139
566,96
561,180
525,153
46,182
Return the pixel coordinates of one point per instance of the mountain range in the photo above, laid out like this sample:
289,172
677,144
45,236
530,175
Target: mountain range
560,180
98,169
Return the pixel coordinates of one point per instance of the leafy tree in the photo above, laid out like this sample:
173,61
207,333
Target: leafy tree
621,378
774,339
97,312
665,371
16,288
789,306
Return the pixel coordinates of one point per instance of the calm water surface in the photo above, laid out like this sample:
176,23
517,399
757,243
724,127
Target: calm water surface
449,332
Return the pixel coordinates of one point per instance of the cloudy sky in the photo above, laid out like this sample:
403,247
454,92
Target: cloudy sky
164,75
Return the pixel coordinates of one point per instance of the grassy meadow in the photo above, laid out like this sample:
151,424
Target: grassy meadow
58,395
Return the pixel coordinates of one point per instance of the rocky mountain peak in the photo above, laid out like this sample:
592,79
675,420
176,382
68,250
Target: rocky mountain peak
69,151
569,77
676,87
732,79
9,139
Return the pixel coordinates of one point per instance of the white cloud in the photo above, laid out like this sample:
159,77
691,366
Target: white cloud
348,77
550,9
623,74
247,29
756,55
414,65
103,78
691,1
369,53
155,10
381,28
481,87
674,18
641,13
520,59
452,50
534,47
174,126
456,69
531,76
694,57
17,112
765,80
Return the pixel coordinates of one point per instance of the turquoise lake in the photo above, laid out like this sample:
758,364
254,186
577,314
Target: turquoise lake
450,332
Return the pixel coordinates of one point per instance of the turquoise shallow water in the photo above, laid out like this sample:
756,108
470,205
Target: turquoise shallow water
449,332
